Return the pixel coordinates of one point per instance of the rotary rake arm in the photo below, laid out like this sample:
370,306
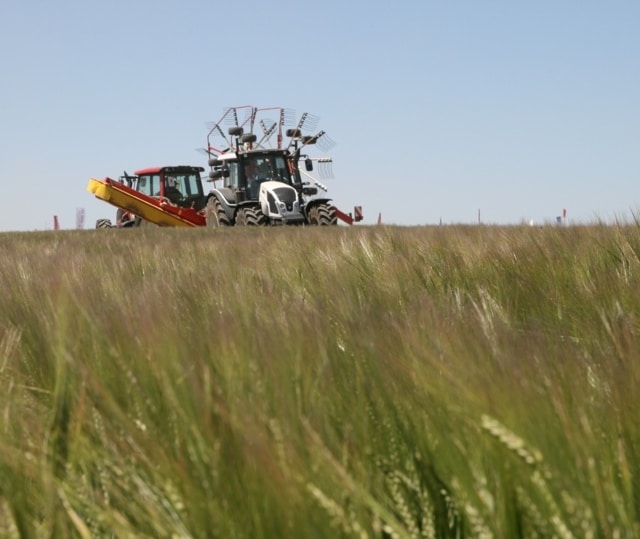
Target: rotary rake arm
267,132
232,117
315,181
229,117
246,117
307,121
323,167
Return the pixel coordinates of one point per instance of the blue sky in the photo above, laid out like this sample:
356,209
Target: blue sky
438,109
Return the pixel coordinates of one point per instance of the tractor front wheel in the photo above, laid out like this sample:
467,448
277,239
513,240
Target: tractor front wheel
250,216
323,215
215,213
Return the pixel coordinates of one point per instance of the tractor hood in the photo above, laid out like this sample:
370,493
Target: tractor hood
280,201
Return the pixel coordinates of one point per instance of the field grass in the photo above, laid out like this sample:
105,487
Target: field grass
319,383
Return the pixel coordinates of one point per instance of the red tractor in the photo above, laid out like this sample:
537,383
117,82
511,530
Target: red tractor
166,196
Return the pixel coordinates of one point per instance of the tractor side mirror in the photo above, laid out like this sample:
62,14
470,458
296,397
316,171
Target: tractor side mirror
308,164
225,172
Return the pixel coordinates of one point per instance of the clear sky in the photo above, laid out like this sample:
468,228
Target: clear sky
439,108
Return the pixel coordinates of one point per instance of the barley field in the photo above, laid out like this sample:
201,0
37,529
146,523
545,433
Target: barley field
381,382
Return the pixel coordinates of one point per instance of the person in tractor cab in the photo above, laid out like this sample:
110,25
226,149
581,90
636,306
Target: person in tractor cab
256,172
251,172
171,190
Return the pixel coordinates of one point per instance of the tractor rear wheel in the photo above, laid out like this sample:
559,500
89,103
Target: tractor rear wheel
215,213
250,216
323,214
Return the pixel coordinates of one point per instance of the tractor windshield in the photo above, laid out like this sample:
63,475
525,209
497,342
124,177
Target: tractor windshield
262,168
184,187
187,183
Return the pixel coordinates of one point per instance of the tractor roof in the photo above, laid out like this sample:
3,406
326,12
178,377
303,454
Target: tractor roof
230,156
176,169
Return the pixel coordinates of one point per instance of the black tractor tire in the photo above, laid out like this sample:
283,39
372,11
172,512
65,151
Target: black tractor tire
323,215
215,214
104,223
250,216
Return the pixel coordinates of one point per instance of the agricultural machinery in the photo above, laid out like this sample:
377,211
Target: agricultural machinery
256,181
165,196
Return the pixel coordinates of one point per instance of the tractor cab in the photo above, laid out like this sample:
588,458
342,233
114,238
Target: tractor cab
242,173
181,185
258,167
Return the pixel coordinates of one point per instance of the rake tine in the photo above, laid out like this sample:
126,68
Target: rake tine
325,168
298,127
325,143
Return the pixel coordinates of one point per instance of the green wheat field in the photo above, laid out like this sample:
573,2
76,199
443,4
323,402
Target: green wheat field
382,382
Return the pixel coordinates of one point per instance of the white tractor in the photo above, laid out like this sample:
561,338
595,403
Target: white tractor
262,182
